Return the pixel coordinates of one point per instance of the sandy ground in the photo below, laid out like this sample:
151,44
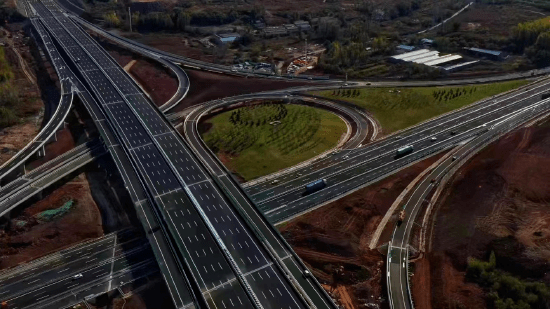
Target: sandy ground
333,240
497,202
36,239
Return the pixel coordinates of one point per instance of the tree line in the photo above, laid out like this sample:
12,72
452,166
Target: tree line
504,290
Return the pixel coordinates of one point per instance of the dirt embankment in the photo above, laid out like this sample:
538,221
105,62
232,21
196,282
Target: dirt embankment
207,86
26,237
497,202
159,82
30,105
334,240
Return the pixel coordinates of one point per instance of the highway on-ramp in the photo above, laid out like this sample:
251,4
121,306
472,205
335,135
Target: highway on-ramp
398,249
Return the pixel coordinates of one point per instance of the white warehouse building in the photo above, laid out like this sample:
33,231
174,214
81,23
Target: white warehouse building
426,57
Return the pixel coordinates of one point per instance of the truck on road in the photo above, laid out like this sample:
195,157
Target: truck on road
401,217
316,186
403,151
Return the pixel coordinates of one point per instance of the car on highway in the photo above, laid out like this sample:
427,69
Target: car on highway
453,132
307,274
454,158
77,276
275,182
433,139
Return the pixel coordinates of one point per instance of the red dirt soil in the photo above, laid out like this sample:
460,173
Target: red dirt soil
160,85
498,202
207,86
333,240
36,239
158,81
64,143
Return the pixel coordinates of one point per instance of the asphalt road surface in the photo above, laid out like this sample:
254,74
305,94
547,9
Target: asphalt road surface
348,170
51,279
176,283
218,248
397,264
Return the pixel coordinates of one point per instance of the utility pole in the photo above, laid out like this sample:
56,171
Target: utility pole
305,50
130,18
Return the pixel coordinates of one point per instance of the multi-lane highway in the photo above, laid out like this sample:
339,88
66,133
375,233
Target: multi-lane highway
228,264
348,170
100,266
213,246
23,188
177,285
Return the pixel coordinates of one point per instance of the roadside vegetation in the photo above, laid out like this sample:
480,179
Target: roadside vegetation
400,108
257,140
504,290
9,94
356,38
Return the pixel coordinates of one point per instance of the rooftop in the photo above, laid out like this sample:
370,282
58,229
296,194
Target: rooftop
484,51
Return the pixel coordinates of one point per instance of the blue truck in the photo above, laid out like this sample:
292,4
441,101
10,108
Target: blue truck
403,151
316,186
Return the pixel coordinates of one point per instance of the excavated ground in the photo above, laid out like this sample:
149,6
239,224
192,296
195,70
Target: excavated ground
497,202
22,242
333,240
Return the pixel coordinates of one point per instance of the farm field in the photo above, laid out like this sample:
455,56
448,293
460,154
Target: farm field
397,109
257,140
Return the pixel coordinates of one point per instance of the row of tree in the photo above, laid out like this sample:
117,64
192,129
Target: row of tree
346,93
446,95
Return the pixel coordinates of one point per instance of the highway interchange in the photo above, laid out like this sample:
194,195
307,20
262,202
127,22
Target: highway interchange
227,263
350,169
227,254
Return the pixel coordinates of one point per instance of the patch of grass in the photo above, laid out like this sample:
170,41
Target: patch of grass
401,108
258,140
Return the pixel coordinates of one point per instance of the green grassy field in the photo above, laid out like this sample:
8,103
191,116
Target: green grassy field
398,109
249,145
